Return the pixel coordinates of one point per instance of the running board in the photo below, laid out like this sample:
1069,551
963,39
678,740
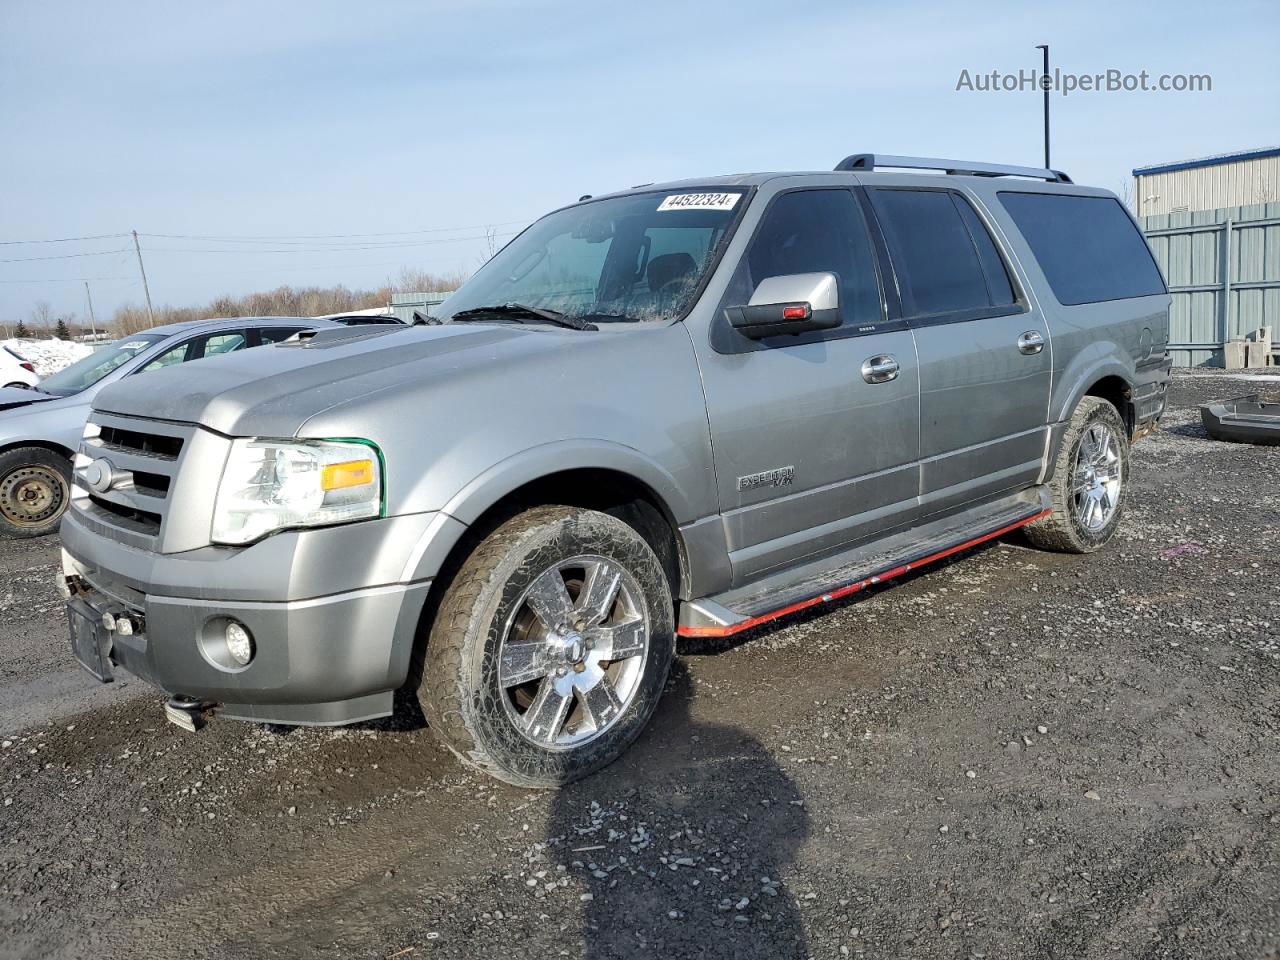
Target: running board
833,577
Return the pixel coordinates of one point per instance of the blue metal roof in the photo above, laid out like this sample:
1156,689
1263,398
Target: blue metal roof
1208,161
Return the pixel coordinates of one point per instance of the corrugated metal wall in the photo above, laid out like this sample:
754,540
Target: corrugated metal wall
1208,187
403,304
1223,269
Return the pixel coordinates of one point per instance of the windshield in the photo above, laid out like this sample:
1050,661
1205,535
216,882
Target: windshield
85,373
639,257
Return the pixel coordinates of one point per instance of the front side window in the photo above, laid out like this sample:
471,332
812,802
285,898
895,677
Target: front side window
814,231
1087,247
85,373
945,259
633,258
169,358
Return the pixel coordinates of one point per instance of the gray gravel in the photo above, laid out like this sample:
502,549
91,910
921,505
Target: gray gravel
1017,754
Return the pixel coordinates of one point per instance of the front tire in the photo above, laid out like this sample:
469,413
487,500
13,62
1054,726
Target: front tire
35,488
551,647
1090,479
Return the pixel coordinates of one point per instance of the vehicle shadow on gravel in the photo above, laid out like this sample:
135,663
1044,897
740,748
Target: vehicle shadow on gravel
685,848
1194,429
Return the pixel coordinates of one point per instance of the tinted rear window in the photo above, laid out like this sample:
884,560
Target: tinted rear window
1087,247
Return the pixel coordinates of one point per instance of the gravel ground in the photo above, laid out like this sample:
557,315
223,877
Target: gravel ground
1016,754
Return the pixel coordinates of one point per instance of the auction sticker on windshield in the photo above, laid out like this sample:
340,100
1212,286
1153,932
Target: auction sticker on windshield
699,201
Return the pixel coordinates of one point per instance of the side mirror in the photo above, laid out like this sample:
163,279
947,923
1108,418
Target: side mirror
796,303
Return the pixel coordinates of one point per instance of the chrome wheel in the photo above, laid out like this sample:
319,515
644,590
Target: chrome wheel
32,495
573,652
1095,491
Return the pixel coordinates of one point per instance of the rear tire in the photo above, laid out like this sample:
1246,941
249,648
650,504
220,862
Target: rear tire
19,383
1090,480
35,489
550,648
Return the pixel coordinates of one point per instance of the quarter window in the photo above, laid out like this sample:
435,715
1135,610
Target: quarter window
945,259
1087,247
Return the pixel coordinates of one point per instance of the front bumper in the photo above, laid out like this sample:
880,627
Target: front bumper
322,655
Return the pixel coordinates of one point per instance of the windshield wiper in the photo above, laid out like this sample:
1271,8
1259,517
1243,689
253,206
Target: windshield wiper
523,313
613,317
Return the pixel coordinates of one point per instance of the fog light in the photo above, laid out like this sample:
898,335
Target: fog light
239,643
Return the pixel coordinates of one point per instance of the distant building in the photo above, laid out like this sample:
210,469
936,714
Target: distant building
404,305
1209,183
1214,226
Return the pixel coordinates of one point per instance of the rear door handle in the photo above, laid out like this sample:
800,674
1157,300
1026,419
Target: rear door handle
880,369
1031,342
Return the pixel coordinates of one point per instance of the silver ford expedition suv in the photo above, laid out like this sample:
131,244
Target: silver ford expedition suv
678,410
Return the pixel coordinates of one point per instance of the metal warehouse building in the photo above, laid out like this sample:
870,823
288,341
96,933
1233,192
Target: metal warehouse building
1227,180
1214,224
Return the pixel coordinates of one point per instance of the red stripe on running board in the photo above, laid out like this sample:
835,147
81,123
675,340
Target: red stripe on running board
730,629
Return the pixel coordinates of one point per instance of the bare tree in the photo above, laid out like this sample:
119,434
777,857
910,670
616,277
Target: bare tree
42,315
1126,193
288,301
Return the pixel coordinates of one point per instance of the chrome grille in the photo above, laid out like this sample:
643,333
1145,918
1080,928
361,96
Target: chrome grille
125,472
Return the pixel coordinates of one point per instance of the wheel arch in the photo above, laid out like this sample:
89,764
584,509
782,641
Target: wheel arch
1103,370
503,492
51,445
594,475
1109,381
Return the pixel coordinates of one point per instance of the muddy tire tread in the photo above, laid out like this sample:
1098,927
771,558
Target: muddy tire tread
1057,531
449,678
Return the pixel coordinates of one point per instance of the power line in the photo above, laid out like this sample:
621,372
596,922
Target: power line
100,236
331,249
231,238
69,279
67,256
335,245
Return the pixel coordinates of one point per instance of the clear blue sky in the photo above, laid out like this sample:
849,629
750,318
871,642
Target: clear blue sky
294,118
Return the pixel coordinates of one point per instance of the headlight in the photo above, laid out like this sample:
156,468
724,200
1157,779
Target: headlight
275,484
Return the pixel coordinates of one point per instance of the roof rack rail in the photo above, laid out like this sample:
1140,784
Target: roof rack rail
870,161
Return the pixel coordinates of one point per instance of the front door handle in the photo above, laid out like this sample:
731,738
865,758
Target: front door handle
880,369
1031,342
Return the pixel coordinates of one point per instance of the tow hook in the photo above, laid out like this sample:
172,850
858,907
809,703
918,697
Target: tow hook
189,713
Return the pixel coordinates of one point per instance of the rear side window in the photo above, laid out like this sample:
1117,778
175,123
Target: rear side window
276,334
1087,247
944,257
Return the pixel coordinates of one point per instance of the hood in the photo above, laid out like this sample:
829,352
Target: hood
274,390
11,397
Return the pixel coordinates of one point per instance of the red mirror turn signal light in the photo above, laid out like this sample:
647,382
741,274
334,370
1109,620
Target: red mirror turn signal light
796,313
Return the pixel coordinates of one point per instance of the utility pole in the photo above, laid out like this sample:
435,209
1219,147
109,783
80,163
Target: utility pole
151,317
1045,84
93,325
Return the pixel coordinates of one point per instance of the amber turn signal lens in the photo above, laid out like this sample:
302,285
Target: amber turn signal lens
351,473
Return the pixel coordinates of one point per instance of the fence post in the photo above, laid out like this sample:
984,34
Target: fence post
1227,227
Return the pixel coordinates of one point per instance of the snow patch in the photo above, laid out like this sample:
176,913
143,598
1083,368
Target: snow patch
48,356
